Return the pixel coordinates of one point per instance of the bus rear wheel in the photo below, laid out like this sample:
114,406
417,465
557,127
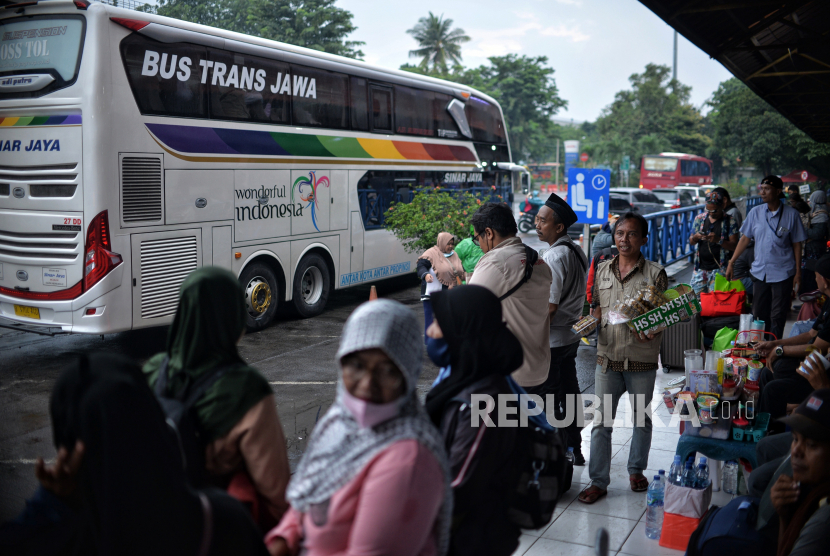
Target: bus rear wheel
312,284
262,295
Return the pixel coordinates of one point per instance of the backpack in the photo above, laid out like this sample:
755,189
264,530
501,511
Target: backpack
539,472
182,421
730,530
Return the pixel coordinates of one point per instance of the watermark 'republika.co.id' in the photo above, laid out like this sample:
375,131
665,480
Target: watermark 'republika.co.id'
515,410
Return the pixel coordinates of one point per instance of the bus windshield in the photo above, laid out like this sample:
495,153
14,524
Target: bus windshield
45,45
660,164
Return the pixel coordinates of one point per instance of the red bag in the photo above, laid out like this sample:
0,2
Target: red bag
722,304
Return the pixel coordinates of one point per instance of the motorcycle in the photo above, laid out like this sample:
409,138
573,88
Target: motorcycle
527,217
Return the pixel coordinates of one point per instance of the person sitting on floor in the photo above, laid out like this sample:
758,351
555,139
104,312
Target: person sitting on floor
781,383
802,501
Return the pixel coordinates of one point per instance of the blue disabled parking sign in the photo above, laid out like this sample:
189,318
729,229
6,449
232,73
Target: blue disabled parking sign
588,194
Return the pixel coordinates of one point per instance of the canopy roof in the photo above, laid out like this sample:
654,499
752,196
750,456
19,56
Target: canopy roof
779,48
801,176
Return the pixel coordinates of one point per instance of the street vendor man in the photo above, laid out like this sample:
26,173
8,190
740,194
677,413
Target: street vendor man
626,360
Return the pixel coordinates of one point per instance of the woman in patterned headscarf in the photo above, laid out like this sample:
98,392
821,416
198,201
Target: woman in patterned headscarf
439,268
374,479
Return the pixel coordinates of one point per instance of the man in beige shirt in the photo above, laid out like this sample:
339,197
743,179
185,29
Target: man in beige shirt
503,270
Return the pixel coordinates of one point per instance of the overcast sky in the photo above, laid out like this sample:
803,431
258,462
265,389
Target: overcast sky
594,45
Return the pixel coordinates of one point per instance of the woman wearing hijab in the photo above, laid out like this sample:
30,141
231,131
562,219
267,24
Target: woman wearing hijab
237,418
480,353
818,232
374,478
439,268
118,486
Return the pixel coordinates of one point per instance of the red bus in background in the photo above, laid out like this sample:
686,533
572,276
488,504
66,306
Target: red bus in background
673,169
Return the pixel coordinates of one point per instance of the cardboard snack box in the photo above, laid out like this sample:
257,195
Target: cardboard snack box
682,305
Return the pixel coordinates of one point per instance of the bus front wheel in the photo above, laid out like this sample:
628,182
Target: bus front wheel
261,295
312,284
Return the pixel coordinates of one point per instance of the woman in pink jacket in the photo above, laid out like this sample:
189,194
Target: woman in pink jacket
374,479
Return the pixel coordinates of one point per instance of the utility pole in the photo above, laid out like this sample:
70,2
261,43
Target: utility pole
674,65
556,181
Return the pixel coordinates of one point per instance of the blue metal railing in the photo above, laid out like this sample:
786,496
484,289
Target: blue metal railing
669,232
375,202
752,202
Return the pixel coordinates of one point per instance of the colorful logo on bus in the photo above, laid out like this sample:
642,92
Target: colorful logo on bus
306,188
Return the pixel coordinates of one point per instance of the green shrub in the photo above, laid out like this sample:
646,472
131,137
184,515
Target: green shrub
417,224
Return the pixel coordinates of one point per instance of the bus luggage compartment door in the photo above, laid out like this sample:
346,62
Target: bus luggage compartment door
160,262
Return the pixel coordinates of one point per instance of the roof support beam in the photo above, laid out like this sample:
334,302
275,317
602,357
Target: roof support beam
723,7
766,22
785,73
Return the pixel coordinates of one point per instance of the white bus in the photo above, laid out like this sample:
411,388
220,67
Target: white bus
135,148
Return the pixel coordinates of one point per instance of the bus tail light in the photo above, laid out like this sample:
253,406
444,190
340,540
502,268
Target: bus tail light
81,4
131,24
98,259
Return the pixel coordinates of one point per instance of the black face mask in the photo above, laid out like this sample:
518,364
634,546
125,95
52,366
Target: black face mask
438,351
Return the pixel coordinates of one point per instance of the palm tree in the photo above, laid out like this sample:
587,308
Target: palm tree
439,43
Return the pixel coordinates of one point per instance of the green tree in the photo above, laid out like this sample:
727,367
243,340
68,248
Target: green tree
315,24
438,42
224,14
654,115
417,224
747,130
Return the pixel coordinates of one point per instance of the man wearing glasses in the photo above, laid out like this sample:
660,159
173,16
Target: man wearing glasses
716,236
776,272
517,276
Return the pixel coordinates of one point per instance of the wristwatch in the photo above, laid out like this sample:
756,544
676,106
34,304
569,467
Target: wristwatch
779,351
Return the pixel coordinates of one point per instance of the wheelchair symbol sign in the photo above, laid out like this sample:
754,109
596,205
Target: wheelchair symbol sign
599,182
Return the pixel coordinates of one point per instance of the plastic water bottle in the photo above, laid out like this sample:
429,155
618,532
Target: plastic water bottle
675,471
570,455
663,480
689,478
654,508
703,476
730,477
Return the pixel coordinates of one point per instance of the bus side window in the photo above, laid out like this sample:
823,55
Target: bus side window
413,111
359,108
163,91
381,109
320,98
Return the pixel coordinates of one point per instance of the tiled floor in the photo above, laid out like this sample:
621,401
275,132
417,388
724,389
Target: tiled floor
574,527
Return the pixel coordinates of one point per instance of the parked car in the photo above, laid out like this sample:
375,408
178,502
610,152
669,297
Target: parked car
674,198
618,205
698,192
639,200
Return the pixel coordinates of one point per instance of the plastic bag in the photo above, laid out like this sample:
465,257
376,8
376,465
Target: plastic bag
631,307
724,285
723,339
